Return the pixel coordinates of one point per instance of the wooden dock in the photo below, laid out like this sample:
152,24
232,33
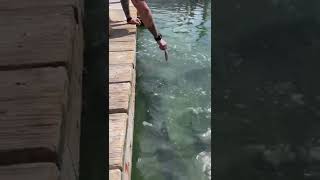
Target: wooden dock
41,51
122,53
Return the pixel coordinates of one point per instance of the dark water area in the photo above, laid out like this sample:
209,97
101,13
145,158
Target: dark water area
266,90
172,133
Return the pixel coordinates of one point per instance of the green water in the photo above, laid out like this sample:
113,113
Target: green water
172,133
266,90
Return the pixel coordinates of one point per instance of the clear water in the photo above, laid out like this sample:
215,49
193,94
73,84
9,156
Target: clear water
173,100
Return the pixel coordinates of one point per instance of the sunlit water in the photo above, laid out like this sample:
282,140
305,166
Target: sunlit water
172,133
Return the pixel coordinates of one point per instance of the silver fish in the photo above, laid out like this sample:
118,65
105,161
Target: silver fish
166,55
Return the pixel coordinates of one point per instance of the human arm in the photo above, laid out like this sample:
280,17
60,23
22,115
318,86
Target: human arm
146,16
126,10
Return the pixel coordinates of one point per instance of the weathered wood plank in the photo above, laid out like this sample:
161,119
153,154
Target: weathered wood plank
115,5
124,57
123,25
120,73
36,36
32,106
9,4
119,97
122,46
116,13
34,171
122,31
117,133
122,35
73,117
68,171
126,175
115,174
113,1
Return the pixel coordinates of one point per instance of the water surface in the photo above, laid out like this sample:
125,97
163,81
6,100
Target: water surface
173,102
266,90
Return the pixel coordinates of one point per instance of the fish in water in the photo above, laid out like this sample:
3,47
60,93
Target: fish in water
166,55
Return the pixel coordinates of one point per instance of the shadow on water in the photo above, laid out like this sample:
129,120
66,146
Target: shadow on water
267,95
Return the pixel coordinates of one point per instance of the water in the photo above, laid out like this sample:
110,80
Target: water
266,90
173,100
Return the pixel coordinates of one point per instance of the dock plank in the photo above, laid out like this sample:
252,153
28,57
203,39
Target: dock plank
117,133
116,5
44,36
122,46
119,73
122,31
123,25
124,57
119,95
33,171
72,125
122,61
115,174
126,175
18,4
122,35
32,105
68,171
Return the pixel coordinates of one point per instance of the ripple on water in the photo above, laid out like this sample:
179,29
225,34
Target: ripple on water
173,114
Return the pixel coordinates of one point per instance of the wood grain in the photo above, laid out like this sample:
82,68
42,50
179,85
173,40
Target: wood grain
115,174
73,117
122,46
41,52
115,5
119,97
117,133
127,171
122,35
124,57
32,37
120,73
32,106
18,4
33,171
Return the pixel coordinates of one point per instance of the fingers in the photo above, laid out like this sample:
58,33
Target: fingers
135,21
163,47
162,44
138,21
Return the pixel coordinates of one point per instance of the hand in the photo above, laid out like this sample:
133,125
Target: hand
162,44
135,21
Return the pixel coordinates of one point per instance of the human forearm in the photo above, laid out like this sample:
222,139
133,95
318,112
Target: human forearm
147,19
146,16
